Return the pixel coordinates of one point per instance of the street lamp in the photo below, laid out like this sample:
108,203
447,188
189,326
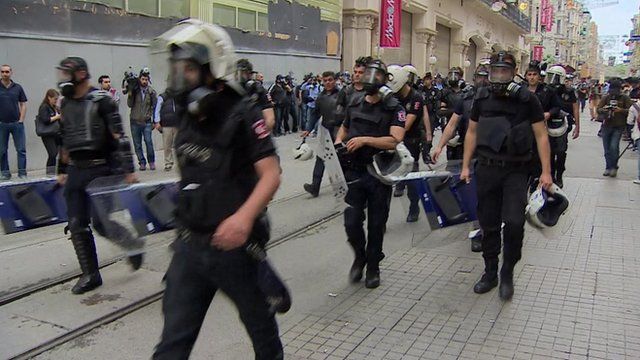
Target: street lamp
433,60
467,63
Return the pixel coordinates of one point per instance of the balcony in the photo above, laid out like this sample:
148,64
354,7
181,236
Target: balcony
514,15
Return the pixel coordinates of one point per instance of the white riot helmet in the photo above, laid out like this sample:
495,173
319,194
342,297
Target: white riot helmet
413,74
390,166
546,207
303,152
398,77
199,42
558,127
555,75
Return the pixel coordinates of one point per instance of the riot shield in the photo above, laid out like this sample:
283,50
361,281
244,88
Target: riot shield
29,204
327,152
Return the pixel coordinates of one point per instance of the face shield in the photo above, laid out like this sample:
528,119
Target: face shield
373,79
501,74
553,79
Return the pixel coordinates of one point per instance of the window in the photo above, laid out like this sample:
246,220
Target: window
147,7
173,8
224,15
263,22
537,18
558,26
246,19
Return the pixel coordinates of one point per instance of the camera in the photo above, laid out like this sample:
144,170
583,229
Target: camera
130,82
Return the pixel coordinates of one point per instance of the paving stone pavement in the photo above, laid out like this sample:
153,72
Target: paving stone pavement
577,294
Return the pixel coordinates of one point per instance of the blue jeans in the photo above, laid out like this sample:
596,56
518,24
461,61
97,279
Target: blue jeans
611,142
138,131
312,120
16,129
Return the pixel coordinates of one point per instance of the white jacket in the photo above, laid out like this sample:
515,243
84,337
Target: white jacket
632,119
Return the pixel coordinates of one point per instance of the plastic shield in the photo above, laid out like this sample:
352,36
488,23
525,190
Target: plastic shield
127,212
29,204
327,152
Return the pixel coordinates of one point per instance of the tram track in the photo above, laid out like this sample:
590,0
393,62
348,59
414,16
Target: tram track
138,304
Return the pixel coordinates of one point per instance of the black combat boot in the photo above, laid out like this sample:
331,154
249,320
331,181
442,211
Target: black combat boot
312,189
506,282
414,212
135,261
372,280
489,279
355,274
85,248
476,242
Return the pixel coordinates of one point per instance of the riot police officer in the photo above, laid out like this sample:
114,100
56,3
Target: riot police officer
369,125
560,143
256,91
354,90
93,145
325,108
432,97
504,120
550,103
412,102
229,172
454,133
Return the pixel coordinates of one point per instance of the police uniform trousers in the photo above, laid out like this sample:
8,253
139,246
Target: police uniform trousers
502,197
414,146
366,192
79,210
318,168
559,146
197,271
455,152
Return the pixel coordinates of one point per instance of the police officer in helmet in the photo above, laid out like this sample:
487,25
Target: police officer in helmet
229,172
370,125
93,145
432,96
246,77
506,120
454,133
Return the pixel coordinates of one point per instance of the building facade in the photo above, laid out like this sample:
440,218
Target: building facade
436,34
279,37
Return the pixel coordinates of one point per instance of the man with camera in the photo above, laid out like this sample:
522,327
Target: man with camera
142,99
613,110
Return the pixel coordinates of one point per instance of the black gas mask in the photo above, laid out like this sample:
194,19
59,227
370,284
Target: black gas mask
453,78
501,73
375,76
66,76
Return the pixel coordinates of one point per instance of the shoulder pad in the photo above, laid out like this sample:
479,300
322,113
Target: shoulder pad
524,94
390,103
482,93
99,95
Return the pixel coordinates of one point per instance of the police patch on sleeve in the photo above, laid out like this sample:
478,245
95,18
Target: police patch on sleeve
260,128
402,116
416,105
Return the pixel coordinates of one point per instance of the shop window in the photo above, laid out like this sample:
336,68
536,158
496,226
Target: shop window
246,20
147,7
224,15
173,8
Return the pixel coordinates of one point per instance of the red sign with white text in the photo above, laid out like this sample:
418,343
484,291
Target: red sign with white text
390,15
537,52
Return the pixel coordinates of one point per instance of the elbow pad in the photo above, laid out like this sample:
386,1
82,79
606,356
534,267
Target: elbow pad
122,157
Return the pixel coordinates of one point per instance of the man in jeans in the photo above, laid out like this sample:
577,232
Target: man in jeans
13,107
142,102
615,108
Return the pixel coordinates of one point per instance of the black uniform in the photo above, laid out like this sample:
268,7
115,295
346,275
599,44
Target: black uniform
216,157
432,98
450,98
463,110
413,104
347,95
325,108
88,126
560,144
365,191
550,102
281,101
504,141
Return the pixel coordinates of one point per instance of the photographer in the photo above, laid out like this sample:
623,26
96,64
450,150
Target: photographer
142,99
614,107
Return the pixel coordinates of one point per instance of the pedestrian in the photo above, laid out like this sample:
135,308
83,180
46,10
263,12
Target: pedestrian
560,144
365,191
633,122
325,109
167,117
13,109
302,107
48,128
309,95
105,84
94,145
248,79
457,127
229,173
292,107
279,97
614,107
594,99
412,103
505,119
142,102
432,97
583,94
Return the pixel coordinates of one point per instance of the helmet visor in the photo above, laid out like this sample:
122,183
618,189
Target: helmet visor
64,75
374,76
553,79
501,74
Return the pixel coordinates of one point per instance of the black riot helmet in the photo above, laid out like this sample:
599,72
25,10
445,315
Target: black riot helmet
66,74
244,73
454,76
502,71
375,76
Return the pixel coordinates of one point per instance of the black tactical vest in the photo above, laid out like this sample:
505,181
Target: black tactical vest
170,112
467,102
83,129
370,120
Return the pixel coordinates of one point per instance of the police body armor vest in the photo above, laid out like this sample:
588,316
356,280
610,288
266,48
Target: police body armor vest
209,191
467,103
83,127
432,99
498,137
374,123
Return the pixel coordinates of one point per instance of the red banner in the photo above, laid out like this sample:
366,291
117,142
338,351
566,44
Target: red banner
537,52
390,15
546,15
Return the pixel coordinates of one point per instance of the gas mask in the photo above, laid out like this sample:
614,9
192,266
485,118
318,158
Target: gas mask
374,77
453,79
500,77
66,82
